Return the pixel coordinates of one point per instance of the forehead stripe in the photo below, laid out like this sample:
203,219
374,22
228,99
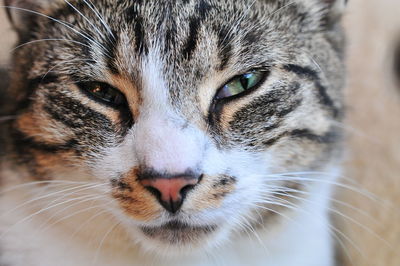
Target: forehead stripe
224,46
202,10
112,46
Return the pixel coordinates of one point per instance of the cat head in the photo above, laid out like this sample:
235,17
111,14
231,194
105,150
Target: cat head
198,116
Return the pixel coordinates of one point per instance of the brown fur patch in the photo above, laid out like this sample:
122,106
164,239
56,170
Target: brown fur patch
39,127
135,199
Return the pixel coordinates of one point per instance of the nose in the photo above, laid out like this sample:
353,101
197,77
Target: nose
170,191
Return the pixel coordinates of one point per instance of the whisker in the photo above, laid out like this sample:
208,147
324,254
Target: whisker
65,62
248,225
37,213
85,18
35,183
102,20
46,40
61,23
88,221
283,189
85,189
280,9
72,205
86,186
362,192
330,227
43,229
367,229
96,257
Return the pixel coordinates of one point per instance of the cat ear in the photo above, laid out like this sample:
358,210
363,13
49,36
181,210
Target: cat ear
335,9
330,11
22,12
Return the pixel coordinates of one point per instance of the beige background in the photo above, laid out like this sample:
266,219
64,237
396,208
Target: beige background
374,132
373,128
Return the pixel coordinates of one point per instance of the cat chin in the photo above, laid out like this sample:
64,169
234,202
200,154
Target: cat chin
175,239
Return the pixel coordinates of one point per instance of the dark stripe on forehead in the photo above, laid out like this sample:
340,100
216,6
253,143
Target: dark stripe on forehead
191,42
202,10
308,73
141,46
224,46
112,46
133,17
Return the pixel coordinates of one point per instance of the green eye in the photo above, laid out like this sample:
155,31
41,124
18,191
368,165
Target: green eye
241,84
103,92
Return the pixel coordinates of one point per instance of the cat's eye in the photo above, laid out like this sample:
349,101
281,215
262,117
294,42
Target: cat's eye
103,92
242,83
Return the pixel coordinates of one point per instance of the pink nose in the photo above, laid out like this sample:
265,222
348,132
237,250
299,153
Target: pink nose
170,192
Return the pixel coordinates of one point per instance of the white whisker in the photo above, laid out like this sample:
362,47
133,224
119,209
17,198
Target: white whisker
65,62
42,229
102,20
85,18
37,213
65,24
86,186
46,40
35,183
96,257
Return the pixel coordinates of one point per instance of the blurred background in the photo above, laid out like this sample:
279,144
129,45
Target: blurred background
369,223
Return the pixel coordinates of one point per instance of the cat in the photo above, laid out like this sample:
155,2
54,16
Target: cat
188,132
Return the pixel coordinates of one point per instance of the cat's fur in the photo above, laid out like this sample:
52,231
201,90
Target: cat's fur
267,159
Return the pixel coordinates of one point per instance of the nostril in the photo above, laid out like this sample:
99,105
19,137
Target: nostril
185,190
154,191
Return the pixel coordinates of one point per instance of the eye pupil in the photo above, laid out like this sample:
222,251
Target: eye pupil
244,80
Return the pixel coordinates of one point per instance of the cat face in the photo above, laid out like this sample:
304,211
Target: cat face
197,115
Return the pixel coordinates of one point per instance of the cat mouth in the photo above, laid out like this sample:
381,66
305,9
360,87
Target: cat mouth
176,232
